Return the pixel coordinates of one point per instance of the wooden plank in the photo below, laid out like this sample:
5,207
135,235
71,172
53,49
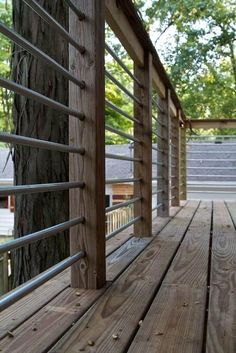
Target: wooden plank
164,146
221,335
173,323
25,308
120,309
119,260
43,329
56,317
175,320
19,312
212,124
173,110
190,266
175,193
157,83
143,150
90,134
183,165
123,30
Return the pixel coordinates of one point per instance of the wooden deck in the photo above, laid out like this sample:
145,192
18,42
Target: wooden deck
173,293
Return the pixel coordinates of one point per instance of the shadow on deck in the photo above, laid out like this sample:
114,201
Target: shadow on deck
171,293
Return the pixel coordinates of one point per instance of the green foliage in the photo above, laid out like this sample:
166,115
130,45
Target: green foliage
114,94
200,57
5,69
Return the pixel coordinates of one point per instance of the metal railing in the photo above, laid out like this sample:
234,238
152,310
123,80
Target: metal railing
13,139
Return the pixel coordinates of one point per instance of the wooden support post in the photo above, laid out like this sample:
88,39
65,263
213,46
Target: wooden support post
143,150
90,168
183,162
175,193
4,273
164,153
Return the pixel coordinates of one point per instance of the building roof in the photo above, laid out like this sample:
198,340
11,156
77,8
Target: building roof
115,168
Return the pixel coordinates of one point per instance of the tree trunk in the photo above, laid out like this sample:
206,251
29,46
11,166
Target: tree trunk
32,166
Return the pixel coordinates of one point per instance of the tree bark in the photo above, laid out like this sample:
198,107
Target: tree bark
33,166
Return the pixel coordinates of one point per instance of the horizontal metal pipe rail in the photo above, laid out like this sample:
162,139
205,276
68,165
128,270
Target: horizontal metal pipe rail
212,160
158,135
31,285
32,142
157,206
19,89
81,16
38,188
217,168
121,133
158,163
120,62
158,149
157,192
52,22
39,54
118,84
121,112
42,234
123,204
127,225
158,106
122,158
123,180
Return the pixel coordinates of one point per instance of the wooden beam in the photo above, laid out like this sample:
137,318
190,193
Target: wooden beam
173,110
157,83
164,147
89,202
175,167
212,124
183,166
120,25
143,150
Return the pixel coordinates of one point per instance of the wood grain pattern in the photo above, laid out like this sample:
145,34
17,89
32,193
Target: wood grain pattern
42,330
190,266
143,150
90,134
120,309
164,146
175,160
175,320
221,328
19,312
123,30
173,323
183,168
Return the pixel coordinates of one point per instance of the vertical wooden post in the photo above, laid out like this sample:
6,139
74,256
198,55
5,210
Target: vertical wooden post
143,150
164,150
175,200
90,168
183,162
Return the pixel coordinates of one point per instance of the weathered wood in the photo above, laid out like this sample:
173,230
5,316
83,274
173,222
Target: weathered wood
190,266
143,150
175,193
211,124
175,321
38,333
90,134
3,273
157,83
221,336
183,165
26,307
173,110
164,147
123,30
120,309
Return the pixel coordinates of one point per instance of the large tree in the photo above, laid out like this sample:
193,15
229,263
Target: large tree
33,166
199,52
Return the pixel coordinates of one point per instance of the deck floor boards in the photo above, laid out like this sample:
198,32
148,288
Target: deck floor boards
174,292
